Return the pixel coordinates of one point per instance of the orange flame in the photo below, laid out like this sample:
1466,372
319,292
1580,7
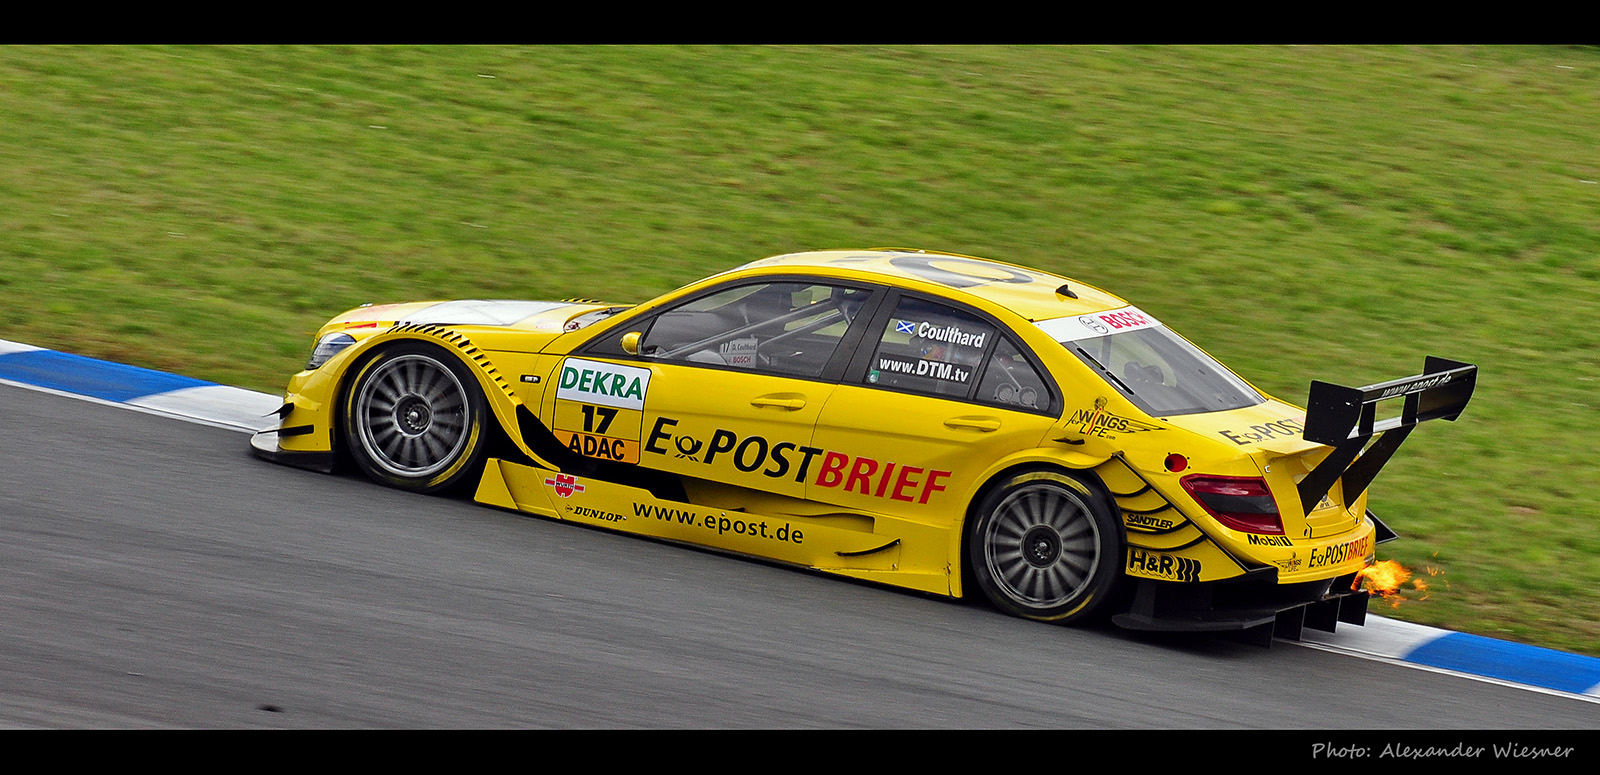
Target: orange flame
1386,579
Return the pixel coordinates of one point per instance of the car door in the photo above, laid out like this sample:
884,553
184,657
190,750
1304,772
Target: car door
936,393
731,383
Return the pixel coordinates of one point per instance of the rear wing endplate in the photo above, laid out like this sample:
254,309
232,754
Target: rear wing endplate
1343,418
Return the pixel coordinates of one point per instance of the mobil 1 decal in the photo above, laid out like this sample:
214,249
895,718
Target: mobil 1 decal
600,408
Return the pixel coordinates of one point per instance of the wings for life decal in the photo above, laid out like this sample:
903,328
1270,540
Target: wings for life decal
1099,422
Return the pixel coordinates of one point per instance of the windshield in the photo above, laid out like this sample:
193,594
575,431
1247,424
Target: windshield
1156,369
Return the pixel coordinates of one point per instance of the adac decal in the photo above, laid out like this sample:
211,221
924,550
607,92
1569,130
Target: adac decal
1280,429
851,473
564,485
590,445
1338,553
1265,540
1099,422
1162,566
604,432
607,384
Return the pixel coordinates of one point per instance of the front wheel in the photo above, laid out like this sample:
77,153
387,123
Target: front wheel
1045,546
414,418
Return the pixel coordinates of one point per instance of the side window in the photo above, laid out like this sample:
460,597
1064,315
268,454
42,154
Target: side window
929,348
778,328
1009,380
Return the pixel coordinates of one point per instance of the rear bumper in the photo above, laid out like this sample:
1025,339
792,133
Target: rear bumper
1253,607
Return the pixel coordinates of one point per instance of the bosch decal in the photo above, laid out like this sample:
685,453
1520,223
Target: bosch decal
1097,324
739,352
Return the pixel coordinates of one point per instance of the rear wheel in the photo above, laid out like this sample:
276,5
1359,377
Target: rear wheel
414,418
1045,545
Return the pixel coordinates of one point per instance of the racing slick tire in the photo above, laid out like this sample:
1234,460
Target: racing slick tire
1046,545
415,418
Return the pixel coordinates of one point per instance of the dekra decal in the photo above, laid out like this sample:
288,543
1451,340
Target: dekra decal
608,384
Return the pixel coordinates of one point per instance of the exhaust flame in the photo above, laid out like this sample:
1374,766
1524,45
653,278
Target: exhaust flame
1386,579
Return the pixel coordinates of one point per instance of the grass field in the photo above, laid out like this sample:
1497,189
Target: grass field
1303,213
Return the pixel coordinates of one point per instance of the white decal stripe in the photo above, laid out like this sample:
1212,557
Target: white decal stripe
1097,324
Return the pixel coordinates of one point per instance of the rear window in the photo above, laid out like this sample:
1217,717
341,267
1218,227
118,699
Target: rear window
1161,372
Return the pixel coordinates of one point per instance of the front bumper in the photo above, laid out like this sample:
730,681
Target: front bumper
266,444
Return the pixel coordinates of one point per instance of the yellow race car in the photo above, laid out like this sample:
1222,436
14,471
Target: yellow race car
920,419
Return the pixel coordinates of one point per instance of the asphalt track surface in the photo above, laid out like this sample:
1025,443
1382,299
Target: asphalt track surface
154,574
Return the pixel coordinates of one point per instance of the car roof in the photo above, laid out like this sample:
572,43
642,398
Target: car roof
1030,293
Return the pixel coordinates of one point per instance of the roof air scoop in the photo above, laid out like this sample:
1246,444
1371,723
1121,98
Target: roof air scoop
1066,291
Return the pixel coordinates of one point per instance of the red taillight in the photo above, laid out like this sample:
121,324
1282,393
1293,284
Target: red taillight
1240,502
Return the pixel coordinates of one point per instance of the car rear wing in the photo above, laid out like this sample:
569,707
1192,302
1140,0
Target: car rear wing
1344,418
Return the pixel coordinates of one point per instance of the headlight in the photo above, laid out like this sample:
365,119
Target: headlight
327,347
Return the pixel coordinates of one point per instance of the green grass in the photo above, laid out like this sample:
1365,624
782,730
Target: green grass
1304,213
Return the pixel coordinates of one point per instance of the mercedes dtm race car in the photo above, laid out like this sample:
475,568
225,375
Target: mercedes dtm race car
924,420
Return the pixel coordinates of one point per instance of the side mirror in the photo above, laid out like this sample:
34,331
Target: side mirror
630,342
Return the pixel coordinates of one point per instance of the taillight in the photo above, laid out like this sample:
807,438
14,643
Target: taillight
1240,502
